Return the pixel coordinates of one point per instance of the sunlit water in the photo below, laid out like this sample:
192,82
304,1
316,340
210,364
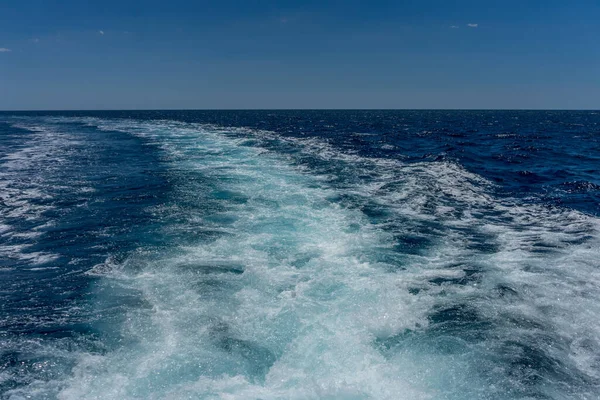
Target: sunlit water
300,255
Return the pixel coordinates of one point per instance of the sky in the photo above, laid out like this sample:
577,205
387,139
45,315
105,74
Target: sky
184,54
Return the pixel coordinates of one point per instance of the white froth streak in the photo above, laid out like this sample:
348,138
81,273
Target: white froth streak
320,319
24,182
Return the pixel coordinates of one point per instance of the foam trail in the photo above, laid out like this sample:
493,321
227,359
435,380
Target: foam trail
282,303
29,199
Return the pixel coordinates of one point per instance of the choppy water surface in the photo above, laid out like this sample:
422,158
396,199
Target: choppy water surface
300,255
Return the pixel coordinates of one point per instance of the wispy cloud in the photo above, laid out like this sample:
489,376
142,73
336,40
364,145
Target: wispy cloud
454,27
4,50
101,32
472,25
34,40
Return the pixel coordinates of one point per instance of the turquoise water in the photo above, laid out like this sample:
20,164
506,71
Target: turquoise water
300,255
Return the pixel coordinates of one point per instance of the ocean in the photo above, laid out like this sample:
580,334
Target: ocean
300,255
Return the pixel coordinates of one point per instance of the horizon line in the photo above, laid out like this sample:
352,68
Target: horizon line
294,109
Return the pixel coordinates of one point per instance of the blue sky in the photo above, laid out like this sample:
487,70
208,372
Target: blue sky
299,54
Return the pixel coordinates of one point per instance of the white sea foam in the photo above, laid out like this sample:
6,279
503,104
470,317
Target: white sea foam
27,190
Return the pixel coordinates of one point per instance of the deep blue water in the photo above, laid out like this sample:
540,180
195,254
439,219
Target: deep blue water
300,255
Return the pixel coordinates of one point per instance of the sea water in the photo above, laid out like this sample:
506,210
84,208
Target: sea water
300,255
